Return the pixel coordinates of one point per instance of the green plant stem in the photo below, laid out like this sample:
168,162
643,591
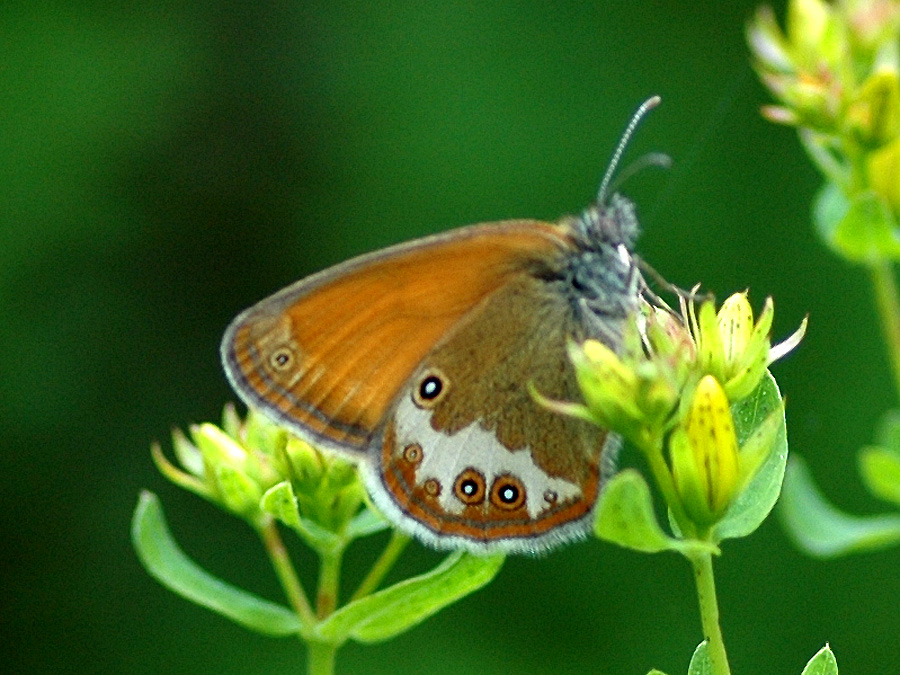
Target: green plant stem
887,299
284,568
382,566
825,160
329,582
709,612
321,658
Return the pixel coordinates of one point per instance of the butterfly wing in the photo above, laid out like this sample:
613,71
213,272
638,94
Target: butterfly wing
468,458
327,356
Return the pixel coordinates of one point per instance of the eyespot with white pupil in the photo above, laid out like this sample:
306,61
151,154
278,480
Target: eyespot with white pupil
508,493
469,487
432,387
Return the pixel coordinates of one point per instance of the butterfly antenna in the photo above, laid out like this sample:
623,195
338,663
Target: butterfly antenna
644,108
657,159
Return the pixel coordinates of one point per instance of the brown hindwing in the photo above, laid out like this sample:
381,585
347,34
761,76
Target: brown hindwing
484,462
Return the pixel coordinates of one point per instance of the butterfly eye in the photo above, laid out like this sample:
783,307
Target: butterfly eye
507,493
281,359
469,487
431,389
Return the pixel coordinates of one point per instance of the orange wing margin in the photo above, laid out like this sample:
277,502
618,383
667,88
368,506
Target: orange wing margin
352,335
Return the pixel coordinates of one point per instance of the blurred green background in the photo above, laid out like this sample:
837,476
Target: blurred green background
165,164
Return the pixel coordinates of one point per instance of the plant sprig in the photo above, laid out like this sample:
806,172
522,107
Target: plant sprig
273,481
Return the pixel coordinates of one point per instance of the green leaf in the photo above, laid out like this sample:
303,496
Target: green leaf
830,205
167,563
188,454
391,611
757,499
625,517
820,529
280,502
655,671
237,491
880,470
861,229
888,433
700,663
823,663
364,523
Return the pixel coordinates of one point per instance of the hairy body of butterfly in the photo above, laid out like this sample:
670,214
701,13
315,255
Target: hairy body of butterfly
416,361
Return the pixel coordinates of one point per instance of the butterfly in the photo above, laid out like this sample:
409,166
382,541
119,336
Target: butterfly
417,361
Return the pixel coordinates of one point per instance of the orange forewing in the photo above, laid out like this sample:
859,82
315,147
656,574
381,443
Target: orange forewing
327,355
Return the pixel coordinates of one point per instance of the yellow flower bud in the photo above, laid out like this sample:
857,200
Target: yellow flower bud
731,346
807,23
883,169
632,394
874,115
704,454
735,321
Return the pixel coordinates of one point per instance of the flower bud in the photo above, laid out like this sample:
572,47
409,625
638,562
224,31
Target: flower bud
731,347
228,468
704,454
632,394
883,171
874,114
808,23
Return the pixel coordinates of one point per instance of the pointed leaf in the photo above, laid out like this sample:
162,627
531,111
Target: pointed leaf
820,529
880,470
625,517
861,229
829,208
389,612
364,523
187,453
888,433
757,499
700,663
280,501
655,671
237,491
823,663
167,563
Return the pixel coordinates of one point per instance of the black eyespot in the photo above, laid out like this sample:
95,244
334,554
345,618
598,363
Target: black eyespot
430,388
508,493
469,487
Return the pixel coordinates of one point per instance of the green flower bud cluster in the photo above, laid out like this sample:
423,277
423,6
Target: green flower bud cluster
835,72
674,386
256,470
834,68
